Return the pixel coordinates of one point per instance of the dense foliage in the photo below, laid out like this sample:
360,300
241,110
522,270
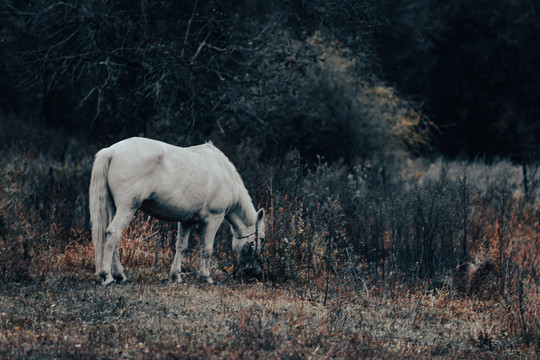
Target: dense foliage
475,64
276,75
189,71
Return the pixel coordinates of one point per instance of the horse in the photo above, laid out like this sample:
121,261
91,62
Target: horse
189,185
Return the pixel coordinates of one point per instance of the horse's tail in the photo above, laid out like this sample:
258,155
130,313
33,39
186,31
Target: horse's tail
101,203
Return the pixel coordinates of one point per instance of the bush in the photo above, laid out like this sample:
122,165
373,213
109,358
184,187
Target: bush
44,204
316,96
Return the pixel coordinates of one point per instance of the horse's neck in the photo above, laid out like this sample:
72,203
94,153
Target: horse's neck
243,217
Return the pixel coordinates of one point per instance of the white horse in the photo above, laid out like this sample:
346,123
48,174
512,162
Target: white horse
194,185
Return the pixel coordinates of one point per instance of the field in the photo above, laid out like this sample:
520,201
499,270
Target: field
394,147
434,260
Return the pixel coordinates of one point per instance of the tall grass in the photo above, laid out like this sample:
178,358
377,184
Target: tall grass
464,227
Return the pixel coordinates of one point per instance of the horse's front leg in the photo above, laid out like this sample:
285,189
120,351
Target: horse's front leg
117,268
209,232
182,239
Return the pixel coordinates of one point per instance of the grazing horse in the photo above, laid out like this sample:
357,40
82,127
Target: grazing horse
193,185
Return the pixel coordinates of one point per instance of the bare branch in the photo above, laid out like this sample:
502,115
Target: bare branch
200,47
188,27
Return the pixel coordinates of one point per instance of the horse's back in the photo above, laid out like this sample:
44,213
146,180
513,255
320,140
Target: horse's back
138,148
172,179
141,149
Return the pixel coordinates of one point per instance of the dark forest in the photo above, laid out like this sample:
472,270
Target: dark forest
318,76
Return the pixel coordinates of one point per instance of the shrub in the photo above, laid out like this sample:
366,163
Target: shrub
321,98
43,205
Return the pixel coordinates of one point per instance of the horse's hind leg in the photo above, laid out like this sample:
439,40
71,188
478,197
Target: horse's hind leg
114,232
117,268
181,247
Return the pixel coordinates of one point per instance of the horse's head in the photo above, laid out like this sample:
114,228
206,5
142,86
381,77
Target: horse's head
249,247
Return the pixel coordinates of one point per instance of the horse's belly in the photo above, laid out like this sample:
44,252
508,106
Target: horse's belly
168,212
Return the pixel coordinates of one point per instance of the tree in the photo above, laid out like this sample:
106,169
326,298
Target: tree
474,64
188,71
321,98
119,65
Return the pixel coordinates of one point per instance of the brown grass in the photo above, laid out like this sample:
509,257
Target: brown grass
71,315
65,312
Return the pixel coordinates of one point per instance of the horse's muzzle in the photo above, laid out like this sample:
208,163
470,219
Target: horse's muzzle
252,272
250,263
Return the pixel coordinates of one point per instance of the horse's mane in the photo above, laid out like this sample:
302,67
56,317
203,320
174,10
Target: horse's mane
244,200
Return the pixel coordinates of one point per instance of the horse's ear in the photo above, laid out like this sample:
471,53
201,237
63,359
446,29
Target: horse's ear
260,223
260,215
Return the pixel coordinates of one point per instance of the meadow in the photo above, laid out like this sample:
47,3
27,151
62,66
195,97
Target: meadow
423,259
378,250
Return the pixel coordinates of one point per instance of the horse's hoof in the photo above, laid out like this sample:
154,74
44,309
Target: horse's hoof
207,279
120,277
108,280
176,278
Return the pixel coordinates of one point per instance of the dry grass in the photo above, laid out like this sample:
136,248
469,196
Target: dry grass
65,312
61,310
71,315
